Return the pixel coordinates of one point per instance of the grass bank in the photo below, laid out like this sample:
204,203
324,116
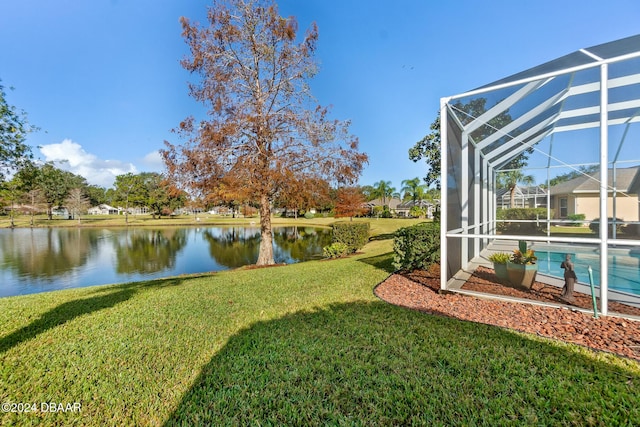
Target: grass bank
24,221
301,344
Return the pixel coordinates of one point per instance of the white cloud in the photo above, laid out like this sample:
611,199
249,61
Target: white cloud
70,156
153,161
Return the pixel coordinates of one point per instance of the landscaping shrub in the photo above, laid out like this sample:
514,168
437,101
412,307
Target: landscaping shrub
417,212
335,250
436,215
527,214
323,214
416,247
309,215
386,213
595,225
576,217
632,230
353,234
381,212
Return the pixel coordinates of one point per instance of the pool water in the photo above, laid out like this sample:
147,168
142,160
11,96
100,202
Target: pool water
624,269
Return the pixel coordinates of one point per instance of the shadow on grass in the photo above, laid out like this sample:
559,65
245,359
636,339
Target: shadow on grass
372,363
104,297
382,262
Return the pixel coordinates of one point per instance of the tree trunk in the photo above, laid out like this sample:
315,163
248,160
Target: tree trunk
512,197
265,257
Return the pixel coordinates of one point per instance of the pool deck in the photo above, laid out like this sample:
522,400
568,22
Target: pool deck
456,283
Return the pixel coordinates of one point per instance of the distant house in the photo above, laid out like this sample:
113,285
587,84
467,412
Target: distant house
581,195
103,209
191,210
404,208
60,211
524,197
138,210
392,202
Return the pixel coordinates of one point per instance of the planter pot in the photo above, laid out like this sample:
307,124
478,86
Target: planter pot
521,276
501,271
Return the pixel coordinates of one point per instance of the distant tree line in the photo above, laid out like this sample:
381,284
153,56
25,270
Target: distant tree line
35,188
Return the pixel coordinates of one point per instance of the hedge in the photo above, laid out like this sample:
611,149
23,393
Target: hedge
416,247
537,216
577,218
353,234
335,250
595,225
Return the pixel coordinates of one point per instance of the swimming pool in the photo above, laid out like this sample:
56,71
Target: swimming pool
624,267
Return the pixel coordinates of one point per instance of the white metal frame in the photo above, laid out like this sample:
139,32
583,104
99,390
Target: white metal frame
481,228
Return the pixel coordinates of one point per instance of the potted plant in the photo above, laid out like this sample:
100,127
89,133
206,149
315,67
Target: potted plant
499,260
522,267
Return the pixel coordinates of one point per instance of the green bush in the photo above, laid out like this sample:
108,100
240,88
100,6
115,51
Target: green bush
309,215
353,234
417,212
576,217
595,225
416,247
323,214
382,212
335,250
536,216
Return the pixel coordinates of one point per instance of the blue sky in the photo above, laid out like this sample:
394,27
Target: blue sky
102,79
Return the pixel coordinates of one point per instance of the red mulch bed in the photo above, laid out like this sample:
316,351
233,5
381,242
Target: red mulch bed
420,289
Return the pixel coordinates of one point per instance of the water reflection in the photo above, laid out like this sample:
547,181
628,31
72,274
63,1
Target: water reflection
237,246
148,251
37,260
234,246
46,253
294,244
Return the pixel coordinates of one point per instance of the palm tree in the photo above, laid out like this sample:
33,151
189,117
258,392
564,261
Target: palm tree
413,189
383,189
510,180
369,192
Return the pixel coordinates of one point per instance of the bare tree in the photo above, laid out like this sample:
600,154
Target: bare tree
77,203
36,203
10,193
261,125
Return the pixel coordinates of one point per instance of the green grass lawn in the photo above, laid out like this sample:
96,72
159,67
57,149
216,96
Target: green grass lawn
378,226
303,344
147,220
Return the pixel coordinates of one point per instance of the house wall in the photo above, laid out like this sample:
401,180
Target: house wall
627,208
571,205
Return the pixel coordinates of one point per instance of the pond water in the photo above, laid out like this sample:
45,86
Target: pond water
47,259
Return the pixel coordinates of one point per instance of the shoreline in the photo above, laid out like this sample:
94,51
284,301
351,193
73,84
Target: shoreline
182,221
